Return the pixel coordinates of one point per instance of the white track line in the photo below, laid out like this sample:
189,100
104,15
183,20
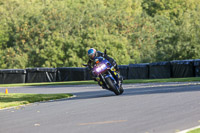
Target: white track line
187,130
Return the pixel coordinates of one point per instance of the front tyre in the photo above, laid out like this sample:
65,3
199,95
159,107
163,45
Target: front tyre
121,90
112,86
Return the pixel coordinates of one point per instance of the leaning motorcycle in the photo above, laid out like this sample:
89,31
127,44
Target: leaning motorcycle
107,75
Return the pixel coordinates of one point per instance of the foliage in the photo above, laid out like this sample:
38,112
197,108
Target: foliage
58,33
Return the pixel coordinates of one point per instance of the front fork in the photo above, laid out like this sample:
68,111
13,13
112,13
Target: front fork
102,77
112,77
109,76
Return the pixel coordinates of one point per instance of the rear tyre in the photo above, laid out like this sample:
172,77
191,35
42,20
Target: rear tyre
112,86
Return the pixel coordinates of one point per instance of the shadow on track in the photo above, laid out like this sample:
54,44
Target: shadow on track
137,91
162,89
147,90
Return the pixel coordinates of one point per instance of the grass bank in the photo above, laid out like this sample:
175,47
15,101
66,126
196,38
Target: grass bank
50,83
132,81
195,131
16,99
190,79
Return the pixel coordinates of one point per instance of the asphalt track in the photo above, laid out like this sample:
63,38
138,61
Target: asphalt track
143,108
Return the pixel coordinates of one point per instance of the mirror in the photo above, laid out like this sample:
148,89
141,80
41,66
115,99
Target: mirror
105,52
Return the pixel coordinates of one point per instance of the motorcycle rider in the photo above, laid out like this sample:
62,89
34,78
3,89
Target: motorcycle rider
92,53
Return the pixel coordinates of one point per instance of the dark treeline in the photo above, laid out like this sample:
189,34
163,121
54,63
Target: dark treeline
58,33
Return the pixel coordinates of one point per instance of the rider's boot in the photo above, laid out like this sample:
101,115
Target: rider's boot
119,76
120,81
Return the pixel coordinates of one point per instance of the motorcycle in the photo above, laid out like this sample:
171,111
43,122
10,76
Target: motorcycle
107,75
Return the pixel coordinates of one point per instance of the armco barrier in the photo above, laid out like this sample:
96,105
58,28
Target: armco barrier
182,68
124,71
160,70
88,74
1,78
197,67
174,69
34,75
138,71
72,74
8,76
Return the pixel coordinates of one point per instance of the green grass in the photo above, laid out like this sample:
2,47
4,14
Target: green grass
93,82
50,83
16,99
163,80
195,131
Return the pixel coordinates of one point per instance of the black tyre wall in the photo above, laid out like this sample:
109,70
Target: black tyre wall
197,67
72,74
124,71
160,70
9,76
183,68
35,75
138,71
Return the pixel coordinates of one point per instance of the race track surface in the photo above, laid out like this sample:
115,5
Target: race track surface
143,108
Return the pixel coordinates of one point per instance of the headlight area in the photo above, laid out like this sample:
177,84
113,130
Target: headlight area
100,68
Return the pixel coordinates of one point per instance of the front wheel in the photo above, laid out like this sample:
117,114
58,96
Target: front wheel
121,90
113,87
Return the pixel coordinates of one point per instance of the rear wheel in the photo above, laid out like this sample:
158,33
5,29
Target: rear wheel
113,87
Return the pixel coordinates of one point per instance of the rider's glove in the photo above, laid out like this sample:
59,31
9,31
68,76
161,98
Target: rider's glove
98,78
112,69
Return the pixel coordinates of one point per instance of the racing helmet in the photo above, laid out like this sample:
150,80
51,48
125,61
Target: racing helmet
91,53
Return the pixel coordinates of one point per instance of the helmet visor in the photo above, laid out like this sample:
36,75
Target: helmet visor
91,55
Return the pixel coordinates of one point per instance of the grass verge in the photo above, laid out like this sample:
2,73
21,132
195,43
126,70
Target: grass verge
163,80
16,99
195,131
50,83
132,81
